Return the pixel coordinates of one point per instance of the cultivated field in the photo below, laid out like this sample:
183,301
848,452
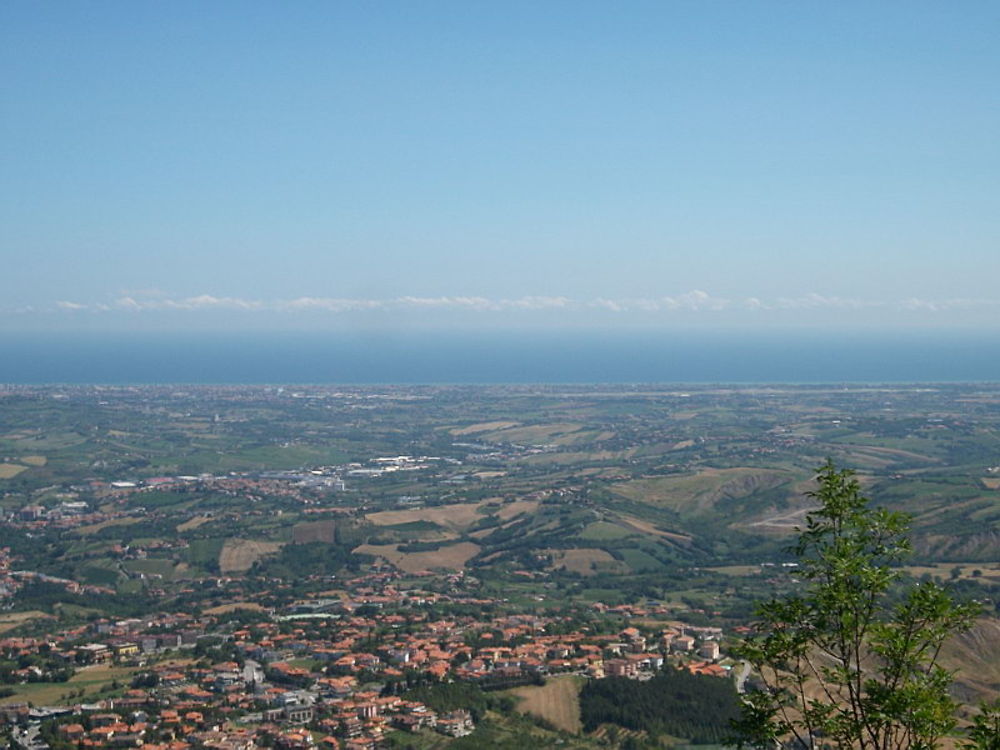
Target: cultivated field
239,555
193,523
586,561
876,457
9,471
988,571
510,510
472,429
450,557
152,566
736,570
223,609
533,434
573,457
95,527
313,531
90,680
699,493
602,531
646,527
557,701
11,620
783,523
458,516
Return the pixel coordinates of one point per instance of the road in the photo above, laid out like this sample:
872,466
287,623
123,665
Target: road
741,676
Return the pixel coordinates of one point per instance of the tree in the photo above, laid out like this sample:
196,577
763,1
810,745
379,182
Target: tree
851,661
985,732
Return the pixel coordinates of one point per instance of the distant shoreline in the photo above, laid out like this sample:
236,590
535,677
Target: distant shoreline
695,358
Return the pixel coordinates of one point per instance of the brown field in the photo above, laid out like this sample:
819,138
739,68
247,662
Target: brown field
223,609
516,508
9,471
533,434
239,555
647,528
11,620
584,561
489,474
193,523
991,483
33,460
472,429
557,701
576,457
313,531
451,557
458,516
95,527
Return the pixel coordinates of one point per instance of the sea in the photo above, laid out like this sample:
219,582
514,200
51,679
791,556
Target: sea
427,357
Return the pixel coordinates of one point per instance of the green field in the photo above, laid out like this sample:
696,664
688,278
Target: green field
640,561
89,680
601,531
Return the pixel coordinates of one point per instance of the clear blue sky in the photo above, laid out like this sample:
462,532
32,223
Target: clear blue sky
464,164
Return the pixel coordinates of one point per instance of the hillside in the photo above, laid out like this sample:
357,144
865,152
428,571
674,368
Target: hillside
593,482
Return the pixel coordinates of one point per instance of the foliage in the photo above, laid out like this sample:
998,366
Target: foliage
46,596
449,696
296,561
853,658
674,702
511,733
985,732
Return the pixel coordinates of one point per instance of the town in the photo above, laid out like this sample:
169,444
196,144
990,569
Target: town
337,665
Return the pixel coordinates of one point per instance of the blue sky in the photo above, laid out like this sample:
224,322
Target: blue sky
519,165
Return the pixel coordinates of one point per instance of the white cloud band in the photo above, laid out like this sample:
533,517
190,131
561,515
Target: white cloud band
695,301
